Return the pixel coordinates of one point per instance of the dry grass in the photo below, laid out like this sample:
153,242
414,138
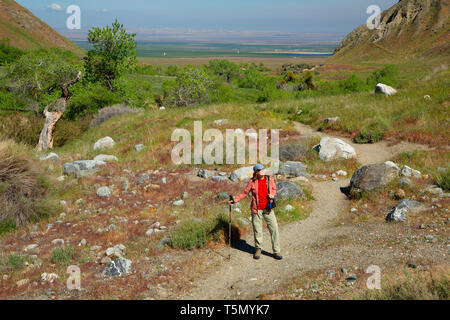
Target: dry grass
110,112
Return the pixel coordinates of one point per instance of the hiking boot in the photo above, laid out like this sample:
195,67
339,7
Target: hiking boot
277,256
257,254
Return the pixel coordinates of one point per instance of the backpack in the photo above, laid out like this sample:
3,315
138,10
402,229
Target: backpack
271,203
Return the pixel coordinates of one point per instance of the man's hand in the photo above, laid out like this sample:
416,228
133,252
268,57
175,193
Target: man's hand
230,202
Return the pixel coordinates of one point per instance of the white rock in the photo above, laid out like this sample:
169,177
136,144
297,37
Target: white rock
104,143
334,148
49,277
409,172
103,192
385,89
162,108
289,208
106,158
392,165
61,178
49,156
220,122
149,232
242,174
342,173
58,241
178,203
30,247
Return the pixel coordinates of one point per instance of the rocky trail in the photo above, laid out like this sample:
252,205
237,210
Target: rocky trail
242,277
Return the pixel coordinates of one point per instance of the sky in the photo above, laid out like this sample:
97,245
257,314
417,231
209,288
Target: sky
336,17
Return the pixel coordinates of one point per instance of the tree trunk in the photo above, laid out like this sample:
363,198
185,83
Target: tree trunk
52,117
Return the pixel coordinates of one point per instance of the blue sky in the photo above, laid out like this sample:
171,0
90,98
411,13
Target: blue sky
296,16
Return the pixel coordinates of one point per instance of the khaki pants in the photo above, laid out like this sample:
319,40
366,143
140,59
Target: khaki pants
271,220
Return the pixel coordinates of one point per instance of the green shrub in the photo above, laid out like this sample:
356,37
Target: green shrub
388,75
193,234
9,54
443,180
172,71
15,261
352,84
372,133
62,256
6,226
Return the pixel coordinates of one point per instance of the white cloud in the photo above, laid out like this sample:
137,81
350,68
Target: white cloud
55,7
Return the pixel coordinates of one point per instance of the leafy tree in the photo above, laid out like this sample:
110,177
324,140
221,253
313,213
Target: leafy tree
388,75
227,70
43,73
114,52
190,88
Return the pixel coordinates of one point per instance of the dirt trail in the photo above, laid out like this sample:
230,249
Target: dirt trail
245,278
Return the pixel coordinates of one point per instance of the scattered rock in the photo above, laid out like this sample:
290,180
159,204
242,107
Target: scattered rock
219,178
398,213
435,190
117,251
185,195
405,182
30,247
106,260
392,164
369,178
22,282
293,168
106,158
409,172
400,194
125,184
287,189
342,173
411,264
220,122
241,174
103,192
58,242
82,168
385,89
49,156
205,174
162,243
83,242
139,147
334,149
142,178
330,120
104,143
178,203
289,208
330,273
118,268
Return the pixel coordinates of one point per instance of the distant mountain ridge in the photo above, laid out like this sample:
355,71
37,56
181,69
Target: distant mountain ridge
410,27
26,31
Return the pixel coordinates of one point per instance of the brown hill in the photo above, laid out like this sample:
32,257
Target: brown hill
26,31
409,28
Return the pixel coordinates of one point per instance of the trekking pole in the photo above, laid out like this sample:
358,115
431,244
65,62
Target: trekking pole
229,231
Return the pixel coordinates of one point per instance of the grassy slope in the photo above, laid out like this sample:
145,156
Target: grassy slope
26,31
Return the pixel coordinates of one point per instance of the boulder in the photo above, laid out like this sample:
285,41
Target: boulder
334,149
117,251
287,189
393,165
178,203
219,178
369,178
106,158
398,213
104,143
118,268
293,168
241,174
385,89
405,182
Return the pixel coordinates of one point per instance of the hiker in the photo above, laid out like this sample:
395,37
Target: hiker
262,206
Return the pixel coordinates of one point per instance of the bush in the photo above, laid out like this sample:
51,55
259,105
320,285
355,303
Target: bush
225,69
22,190
352,84
388,75
172,71
192,86
110,112
62,255
9,54
292,152
372,133
193,234
414,288
443,180
21,128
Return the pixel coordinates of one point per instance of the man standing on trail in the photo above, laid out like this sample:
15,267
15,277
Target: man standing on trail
263,191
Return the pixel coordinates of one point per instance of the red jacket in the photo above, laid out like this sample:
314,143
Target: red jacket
252,187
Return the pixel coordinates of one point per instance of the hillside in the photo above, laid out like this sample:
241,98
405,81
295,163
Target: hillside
409,28
26,31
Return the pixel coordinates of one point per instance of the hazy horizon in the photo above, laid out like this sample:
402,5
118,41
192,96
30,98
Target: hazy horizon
245,21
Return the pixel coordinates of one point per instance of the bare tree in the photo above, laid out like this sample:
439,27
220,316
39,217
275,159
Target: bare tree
54,115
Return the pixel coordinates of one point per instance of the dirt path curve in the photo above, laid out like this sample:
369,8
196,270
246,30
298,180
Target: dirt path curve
245,278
